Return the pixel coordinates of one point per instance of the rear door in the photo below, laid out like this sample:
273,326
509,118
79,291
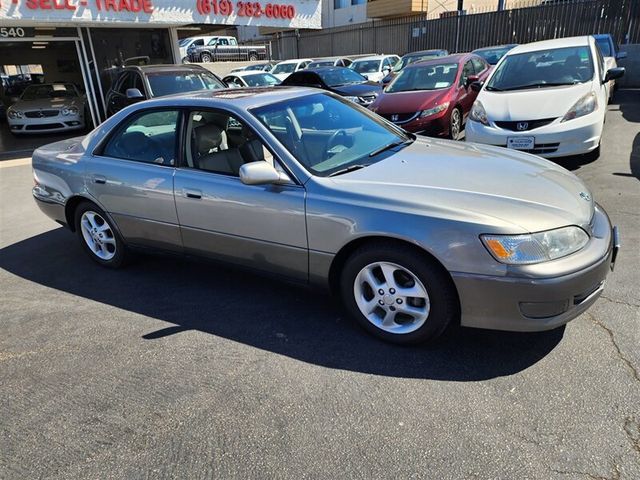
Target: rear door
131,177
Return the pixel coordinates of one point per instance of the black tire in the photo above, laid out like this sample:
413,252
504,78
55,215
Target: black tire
444,304
206,57
455,124
253,57
121,254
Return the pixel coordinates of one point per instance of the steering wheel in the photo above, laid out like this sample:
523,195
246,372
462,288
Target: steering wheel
333,139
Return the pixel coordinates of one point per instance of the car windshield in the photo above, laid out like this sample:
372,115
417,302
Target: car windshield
492,55
427,77
36,92
543,68
184,42
260,66
366,66
325,63
409,59
284,68
330,135
605,46
341,76
168,83
260,80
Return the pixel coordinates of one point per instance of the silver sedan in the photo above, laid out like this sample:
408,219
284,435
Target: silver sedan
414,234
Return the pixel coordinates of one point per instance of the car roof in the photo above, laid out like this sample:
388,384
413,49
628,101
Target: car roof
582,41
243,98
296,60
373,57
601,35
166,67
492,47
247,73
424,52
457,58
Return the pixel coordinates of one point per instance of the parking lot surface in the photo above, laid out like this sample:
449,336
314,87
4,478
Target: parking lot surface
186,369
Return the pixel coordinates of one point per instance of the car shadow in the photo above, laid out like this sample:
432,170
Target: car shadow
266,314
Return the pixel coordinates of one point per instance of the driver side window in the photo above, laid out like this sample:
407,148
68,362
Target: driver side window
149,137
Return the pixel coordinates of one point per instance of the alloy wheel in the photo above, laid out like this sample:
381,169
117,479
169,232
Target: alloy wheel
391,297
456,122
98,235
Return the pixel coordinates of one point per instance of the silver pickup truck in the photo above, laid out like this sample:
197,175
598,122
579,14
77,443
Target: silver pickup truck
221,49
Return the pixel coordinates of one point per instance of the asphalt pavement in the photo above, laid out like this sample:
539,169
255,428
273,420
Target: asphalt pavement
186,369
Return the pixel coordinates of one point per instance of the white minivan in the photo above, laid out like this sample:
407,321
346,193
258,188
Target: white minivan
548,98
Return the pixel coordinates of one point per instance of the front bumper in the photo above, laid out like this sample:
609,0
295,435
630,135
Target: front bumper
575,137
528,304
58,123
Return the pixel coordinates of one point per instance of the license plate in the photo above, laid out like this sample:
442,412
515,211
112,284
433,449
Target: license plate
521,143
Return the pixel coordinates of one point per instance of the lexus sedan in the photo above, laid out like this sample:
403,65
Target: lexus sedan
548,98
305,184
433,97
47,108
340,80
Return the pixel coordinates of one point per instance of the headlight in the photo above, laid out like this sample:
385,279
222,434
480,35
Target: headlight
478,113
434,110
535,247
70,111
13,114
582,107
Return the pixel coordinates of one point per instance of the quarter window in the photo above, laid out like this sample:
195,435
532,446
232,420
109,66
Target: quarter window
149,137
466,72
478,65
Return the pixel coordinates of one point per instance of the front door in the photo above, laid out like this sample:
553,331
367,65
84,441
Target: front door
131,177
260,226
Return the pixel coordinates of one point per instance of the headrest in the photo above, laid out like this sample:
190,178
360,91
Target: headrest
208,137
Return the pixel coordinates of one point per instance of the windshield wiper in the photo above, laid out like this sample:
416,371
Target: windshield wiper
348,169
494,89
540,85
389,146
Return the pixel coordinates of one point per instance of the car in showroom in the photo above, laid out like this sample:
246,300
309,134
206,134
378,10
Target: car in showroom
375,67
548,98
136,83
410,58
433,97
250,78
307,185
283,69
492,55
340,80
47,108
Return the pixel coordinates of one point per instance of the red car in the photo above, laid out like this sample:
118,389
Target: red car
435,96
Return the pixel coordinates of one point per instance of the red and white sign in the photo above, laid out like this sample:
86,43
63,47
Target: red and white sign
276,13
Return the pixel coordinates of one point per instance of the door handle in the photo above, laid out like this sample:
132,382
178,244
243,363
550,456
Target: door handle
192,193
99,179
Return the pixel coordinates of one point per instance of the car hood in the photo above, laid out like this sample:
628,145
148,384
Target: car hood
48,103
358,89
409,102
551,102
511,191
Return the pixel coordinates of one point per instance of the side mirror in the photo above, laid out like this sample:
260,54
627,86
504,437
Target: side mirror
134,94
621,55
476,86
613,73
261,173
471,79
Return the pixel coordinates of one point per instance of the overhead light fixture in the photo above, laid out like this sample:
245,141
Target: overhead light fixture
41,43
38,46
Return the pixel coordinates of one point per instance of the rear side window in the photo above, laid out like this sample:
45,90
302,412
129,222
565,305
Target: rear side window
478,65
149,137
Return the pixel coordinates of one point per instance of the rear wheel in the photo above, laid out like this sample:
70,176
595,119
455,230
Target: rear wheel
98,236
253,57
455,124
398,294
206,57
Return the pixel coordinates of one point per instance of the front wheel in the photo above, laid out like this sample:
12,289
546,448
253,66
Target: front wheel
398,294
455,124
98,237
